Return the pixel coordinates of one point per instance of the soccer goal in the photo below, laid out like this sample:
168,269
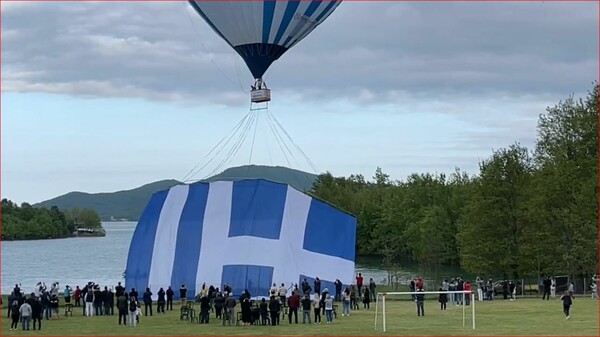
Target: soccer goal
406,296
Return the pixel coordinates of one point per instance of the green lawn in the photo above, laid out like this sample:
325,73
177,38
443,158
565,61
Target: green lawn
521,317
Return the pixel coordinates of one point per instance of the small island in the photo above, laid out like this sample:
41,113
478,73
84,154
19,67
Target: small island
25,222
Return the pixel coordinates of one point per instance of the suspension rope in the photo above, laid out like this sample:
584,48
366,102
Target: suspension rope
294,143
235,129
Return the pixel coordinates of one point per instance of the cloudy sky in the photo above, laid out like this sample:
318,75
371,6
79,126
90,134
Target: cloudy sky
105,96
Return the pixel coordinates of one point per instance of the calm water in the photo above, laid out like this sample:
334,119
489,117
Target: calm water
76,261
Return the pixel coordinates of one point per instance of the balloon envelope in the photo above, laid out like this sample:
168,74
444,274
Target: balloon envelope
262,31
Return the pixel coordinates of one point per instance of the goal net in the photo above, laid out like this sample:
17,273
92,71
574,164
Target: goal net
394,305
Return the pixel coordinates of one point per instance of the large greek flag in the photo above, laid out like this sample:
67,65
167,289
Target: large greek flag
249,234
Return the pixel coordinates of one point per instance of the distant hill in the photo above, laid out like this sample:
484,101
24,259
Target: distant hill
129,204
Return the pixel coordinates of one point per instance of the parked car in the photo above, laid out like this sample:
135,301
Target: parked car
499,290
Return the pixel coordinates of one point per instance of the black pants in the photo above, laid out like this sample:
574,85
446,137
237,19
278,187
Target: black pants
366,304
123,314
204,315
108,310
15,323
274,318
442,305
317,315
566,309
169,304
39,322
420,308
218,311
78,302
546,295
160,307
9,310
98,308
295,312
146,306
263,318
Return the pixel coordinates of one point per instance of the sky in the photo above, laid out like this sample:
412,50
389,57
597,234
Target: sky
108,96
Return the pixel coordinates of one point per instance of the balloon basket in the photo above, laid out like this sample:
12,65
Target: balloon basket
260,95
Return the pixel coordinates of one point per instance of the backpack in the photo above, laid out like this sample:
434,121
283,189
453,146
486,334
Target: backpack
132,305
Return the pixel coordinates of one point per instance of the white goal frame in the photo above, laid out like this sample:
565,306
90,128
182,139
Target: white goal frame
381,296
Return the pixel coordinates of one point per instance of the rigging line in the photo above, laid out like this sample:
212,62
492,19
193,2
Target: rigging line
277,139
296,145
280,140
185,7
235,129
233,151
253,138
243,139
235,144
237,71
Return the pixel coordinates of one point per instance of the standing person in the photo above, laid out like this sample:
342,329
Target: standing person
420,302
366,298
372,287
306,308
567,300
36,313
205,308
282,292
329,308
67,294
160,303
274,308
572,289
15,315
359,284
170,293
133,308
147,301
443,299
553,288
264,311
317,285
89,302
467,295
230,309
594,290
346,302
479,283
547,285
25,312
338,290
77,296
317,308
109,304
122,307
183,295
293,305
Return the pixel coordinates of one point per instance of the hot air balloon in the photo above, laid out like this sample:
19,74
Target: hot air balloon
261,31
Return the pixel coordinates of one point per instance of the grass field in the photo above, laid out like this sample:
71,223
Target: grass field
523,317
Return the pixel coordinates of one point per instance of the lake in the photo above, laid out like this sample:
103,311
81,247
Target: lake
76,261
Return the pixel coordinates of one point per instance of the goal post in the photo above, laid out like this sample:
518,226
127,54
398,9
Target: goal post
381,297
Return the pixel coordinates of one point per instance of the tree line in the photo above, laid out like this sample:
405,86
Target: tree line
25,222
526,212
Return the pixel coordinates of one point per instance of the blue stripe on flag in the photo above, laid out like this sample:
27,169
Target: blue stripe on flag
201,13
268,14
257,208
290,10
257,279
189,238
137,272
329,230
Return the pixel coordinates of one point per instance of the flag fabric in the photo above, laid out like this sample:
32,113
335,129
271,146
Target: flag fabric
248,234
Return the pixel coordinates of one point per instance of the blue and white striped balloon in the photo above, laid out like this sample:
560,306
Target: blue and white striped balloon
262,31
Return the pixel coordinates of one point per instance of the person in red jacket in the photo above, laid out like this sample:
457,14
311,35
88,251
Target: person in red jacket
293,304
77,296
359,284
468,295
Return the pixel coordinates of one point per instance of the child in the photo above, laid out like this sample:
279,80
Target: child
567,300
443,299
420,302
